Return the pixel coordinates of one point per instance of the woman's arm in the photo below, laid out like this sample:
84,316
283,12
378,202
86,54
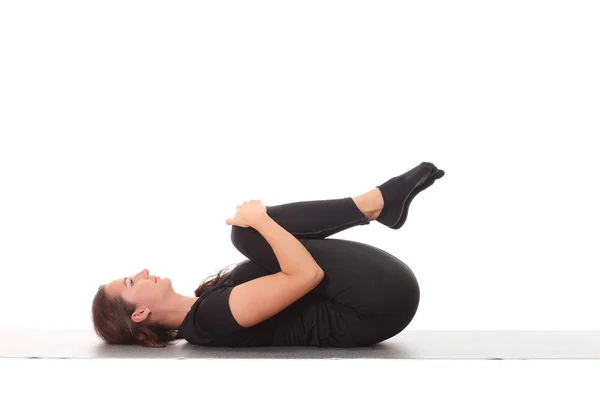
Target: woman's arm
293,257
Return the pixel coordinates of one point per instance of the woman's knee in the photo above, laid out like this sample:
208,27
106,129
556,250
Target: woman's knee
239,236
249,242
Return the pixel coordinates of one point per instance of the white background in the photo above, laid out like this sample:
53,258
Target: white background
131,130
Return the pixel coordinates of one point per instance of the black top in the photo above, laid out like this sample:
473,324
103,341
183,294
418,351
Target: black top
310,321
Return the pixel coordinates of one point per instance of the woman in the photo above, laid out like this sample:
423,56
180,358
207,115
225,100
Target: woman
296,287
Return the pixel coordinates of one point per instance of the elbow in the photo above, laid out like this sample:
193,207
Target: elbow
320,274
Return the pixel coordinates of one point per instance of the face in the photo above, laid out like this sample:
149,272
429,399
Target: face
142,289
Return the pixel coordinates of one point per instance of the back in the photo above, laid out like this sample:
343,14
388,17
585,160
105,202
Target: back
311,320
210,321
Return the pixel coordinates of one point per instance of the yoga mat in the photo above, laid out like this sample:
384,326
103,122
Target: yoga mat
484,345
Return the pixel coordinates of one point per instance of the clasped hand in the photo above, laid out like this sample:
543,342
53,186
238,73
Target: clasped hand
247,214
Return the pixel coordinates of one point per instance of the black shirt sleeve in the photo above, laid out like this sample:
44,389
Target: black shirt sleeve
213,314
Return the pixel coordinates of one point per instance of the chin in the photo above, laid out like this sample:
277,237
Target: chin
165,285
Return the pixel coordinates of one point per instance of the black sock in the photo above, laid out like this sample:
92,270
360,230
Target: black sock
432,178
396,191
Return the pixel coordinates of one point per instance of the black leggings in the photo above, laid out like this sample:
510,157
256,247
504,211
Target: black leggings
380,292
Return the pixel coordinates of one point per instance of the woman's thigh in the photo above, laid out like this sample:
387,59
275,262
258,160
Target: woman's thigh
366,331
365,324
362,277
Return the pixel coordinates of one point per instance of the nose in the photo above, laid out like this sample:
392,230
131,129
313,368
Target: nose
143,274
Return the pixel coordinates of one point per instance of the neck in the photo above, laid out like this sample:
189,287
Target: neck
173,310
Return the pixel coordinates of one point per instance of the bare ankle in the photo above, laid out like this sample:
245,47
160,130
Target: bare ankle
370,203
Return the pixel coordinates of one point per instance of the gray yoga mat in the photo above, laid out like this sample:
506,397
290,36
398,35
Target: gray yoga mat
484,345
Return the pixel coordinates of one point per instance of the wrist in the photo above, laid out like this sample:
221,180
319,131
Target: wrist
260,220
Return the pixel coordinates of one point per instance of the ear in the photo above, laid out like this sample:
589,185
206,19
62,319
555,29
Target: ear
140,315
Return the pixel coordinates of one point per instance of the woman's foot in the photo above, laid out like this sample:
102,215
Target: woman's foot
439,173
400,191
396,190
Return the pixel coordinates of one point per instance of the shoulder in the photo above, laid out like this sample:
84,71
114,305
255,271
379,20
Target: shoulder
213,313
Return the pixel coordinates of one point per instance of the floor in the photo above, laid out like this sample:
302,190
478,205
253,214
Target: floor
439,345
413,364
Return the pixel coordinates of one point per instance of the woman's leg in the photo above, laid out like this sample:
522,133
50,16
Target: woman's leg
378,293
319,219
315,219
363,277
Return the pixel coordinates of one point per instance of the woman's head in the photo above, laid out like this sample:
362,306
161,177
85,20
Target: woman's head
122,310
127,310
143,290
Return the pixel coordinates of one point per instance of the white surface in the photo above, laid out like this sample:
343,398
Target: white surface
301,379
130,131
407,345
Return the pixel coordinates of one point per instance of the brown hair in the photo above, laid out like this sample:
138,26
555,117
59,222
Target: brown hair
113,324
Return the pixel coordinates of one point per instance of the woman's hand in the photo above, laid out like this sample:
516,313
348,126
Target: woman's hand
247,214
